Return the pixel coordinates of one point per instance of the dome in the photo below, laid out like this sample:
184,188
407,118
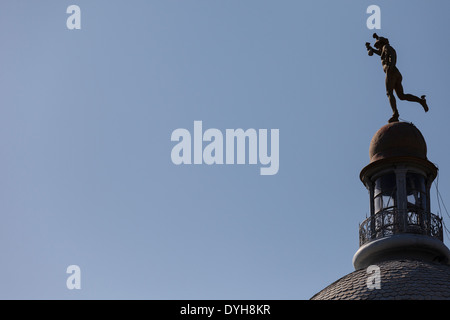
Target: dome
399,279
397,139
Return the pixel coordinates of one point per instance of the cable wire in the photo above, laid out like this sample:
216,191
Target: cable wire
439,200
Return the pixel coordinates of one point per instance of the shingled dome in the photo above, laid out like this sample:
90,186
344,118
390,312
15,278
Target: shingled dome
399,280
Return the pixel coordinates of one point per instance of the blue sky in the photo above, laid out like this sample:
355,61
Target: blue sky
86,117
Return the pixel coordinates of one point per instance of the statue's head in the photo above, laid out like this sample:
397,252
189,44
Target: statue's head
380,42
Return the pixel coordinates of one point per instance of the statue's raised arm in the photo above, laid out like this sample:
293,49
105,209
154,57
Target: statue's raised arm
371,50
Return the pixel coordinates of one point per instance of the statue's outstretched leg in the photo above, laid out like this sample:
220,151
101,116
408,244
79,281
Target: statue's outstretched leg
409,97
424,103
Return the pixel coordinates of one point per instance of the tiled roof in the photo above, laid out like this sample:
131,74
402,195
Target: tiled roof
399,279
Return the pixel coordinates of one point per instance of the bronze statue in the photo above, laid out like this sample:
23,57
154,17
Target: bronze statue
393,76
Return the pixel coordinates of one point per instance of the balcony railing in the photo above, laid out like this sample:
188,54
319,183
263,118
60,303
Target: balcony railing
390,222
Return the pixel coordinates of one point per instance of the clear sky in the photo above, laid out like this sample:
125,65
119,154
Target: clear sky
86,117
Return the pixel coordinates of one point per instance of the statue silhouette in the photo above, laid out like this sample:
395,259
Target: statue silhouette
393,75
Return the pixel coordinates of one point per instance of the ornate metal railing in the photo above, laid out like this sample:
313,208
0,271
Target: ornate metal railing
389,222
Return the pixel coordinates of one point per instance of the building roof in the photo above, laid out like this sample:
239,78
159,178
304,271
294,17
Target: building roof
400,280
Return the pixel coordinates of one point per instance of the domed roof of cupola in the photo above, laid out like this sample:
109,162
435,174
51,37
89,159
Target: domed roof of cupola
397,139
398,143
